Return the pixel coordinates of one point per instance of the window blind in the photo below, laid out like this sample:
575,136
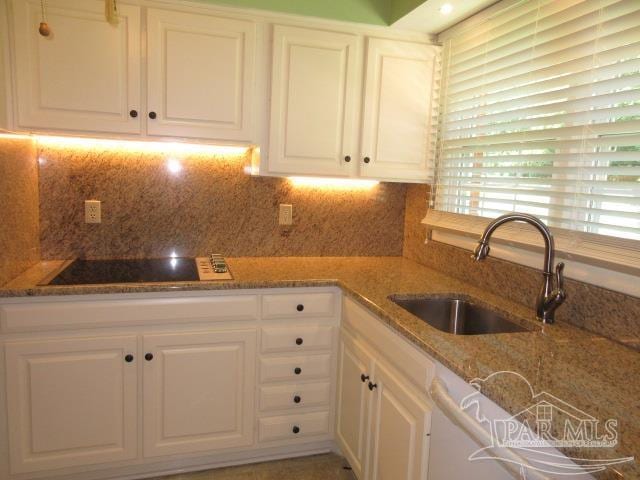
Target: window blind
540,113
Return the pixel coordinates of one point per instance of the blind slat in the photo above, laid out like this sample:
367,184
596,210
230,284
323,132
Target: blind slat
632,80
588,131
575,118
585,158
579,104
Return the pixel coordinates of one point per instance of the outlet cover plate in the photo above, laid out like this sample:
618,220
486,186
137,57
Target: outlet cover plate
92,211
285,216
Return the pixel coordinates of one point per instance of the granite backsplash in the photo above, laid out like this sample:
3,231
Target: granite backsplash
158,203
19,243
605,312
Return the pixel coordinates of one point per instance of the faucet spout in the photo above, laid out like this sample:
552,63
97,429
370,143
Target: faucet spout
549,298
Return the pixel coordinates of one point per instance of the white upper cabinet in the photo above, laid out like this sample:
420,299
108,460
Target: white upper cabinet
315,90
314,99
200,75
397,110
85,75
317,94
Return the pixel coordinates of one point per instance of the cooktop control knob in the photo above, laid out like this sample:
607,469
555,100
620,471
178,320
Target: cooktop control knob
218,263
213,267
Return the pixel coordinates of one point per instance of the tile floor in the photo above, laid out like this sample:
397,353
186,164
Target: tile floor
316,467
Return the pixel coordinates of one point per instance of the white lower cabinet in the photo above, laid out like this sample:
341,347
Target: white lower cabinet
71,401
113,387
384,417
356,365
399,430
198,391
145,398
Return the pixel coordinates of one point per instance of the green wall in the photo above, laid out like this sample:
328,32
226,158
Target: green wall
374,12
399,8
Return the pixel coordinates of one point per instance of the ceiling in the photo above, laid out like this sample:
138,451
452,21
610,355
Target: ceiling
419,15
426,17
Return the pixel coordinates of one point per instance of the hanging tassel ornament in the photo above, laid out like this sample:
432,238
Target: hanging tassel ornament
44,29
111,11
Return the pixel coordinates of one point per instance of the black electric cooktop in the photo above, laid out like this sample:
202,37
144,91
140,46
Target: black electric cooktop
83,272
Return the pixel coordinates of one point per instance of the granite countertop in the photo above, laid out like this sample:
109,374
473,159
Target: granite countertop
591,373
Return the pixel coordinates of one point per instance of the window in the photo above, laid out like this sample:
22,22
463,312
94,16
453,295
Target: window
540,113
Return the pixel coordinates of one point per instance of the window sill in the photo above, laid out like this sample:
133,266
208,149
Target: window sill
603,261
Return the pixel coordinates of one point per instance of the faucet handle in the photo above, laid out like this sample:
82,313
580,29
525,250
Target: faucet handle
560,276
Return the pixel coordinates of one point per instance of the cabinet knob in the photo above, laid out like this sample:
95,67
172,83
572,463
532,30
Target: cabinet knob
297,370
367,159
299,341
364,377
133,113
372,386
128,358
148,357
347,159
296,429
297,399
152,115
300,307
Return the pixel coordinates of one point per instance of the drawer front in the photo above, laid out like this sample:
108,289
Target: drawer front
279,397
16,317
291,427
296,338
303,305
282,369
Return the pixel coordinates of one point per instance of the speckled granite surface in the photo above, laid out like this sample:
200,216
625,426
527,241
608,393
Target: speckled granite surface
605,312
588,371
205,203
19,235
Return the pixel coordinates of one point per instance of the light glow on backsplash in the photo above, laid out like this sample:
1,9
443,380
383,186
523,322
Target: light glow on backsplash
174,166
138,145
333,183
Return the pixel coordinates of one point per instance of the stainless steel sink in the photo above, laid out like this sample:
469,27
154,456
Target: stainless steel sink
457,315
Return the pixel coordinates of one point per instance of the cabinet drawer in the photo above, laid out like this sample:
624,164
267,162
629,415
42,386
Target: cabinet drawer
282,369
303,305
15,317
278,397
297,338
290,427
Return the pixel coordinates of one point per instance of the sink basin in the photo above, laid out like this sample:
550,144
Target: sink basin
457,315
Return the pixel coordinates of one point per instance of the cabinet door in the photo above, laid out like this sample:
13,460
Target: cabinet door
198,391
353,401
86,75
397,111
201,75
399,428
315,97
71,402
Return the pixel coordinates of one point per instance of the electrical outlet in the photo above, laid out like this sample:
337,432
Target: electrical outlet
92,211
286,214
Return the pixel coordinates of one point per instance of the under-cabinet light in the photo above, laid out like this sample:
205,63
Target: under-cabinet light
333,183
138,145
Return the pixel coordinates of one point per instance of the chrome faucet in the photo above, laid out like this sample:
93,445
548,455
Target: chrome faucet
549,298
